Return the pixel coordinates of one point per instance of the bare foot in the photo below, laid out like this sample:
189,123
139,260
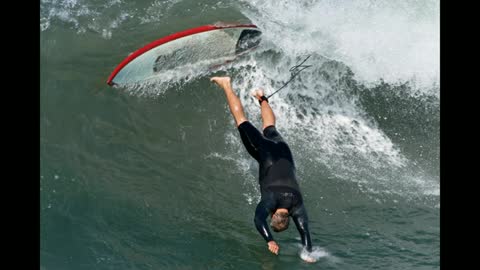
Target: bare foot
223,82
258,94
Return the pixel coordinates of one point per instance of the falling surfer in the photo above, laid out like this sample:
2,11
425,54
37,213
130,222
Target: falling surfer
280,193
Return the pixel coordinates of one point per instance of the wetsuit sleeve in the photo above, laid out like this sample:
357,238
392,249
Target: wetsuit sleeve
261,214
300,218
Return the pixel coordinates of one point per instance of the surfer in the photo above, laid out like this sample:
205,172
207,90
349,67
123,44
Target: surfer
280,192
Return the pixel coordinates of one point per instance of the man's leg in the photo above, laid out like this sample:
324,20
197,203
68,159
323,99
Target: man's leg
268,118
233,101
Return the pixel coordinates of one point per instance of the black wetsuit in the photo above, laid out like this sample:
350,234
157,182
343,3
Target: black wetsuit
278,184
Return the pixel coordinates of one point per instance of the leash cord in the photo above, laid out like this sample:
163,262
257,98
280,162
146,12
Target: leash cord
294,71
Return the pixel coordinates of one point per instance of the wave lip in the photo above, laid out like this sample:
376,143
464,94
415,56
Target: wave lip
396,41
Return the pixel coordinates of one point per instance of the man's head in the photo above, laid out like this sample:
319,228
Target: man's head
279,220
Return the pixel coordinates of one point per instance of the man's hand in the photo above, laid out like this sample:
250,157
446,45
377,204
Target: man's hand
307,256
273,247
309,259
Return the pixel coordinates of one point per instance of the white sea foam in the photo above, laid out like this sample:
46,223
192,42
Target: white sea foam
316,254
83,15
396,41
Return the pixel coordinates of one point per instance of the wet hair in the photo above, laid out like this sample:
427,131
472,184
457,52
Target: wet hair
279,221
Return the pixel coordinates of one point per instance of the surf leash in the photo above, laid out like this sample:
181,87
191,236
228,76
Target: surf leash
294,71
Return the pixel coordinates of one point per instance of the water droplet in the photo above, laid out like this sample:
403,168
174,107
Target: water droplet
56,177
49,206
106,34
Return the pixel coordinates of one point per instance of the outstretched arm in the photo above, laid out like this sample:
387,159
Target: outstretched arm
261,214
300,218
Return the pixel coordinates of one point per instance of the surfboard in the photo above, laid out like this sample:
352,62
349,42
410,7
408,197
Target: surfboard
210,45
